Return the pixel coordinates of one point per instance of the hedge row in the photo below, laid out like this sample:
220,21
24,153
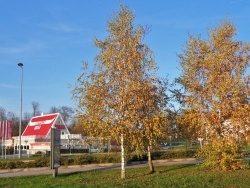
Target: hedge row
90,159
12,164
94,159
172,154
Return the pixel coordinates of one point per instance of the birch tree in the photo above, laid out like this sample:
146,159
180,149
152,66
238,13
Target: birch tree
122,98
216,96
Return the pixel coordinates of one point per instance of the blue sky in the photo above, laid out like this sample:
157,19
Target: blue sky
53,38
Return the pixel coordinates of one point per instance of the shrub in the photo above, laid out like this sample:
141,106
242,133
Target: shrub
223,155
10,165
31,164
42,162
90,159
80,160
171,154
66,161
107,158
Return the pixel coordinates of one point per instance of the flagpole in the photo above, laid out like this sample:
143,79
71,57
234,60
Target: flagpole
2,137
5,132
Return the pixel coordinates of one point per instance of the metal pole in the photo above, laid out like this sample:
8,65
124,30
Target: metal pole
14,152
2,125
2,149
5,149
5,131
21,101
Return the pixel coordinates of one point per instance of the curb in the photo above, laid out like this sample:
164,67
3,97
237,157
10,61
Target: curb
24,169
89,165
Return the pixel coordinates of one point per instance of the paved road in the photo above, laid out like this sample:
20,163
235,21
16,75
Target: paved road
84,168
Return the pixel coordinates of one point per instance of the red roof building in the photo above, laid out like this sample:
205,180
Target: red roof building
36,136
40,126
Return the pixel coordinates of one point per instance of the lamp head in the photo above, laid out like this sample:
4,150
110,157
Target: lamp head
20,64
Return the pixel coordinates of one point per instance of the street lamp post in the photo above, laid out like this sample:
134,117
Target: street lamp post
21,101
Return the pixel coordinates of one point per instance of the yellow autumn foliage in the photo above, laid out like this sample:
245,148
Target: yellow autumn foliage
123,95
216,94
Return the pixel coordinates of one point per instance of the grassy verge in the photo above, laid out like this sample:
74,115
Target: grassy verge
165,176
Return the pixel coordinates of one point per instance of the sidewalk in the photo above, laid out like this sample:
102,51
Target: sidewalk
91,167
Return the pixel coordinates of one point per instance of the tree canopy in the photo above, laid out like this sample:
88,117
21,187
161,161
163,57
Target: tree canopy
216,90
122,96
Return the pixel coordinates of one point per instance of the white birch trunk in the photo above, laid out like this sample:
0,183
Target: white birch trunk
122,158
150,162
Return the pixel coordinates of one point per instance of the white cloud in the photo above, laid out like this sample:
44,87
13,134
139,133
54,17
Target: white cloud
8,86
21,48
61,27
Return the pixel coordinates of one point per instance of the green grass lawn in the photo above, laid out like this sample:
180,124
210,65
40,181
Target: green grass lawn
165,176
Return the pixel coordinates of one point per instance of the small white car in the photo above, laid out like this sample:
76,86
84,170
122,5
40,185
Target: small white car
94,150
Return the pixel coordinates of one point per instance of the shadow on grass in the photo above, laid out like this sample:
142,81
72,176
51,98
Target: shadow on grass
90,170
168,169
176,167
135,175
71,173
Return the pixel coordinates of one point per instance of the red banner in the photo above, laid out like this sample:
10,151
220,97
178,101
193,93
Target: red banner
6,129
